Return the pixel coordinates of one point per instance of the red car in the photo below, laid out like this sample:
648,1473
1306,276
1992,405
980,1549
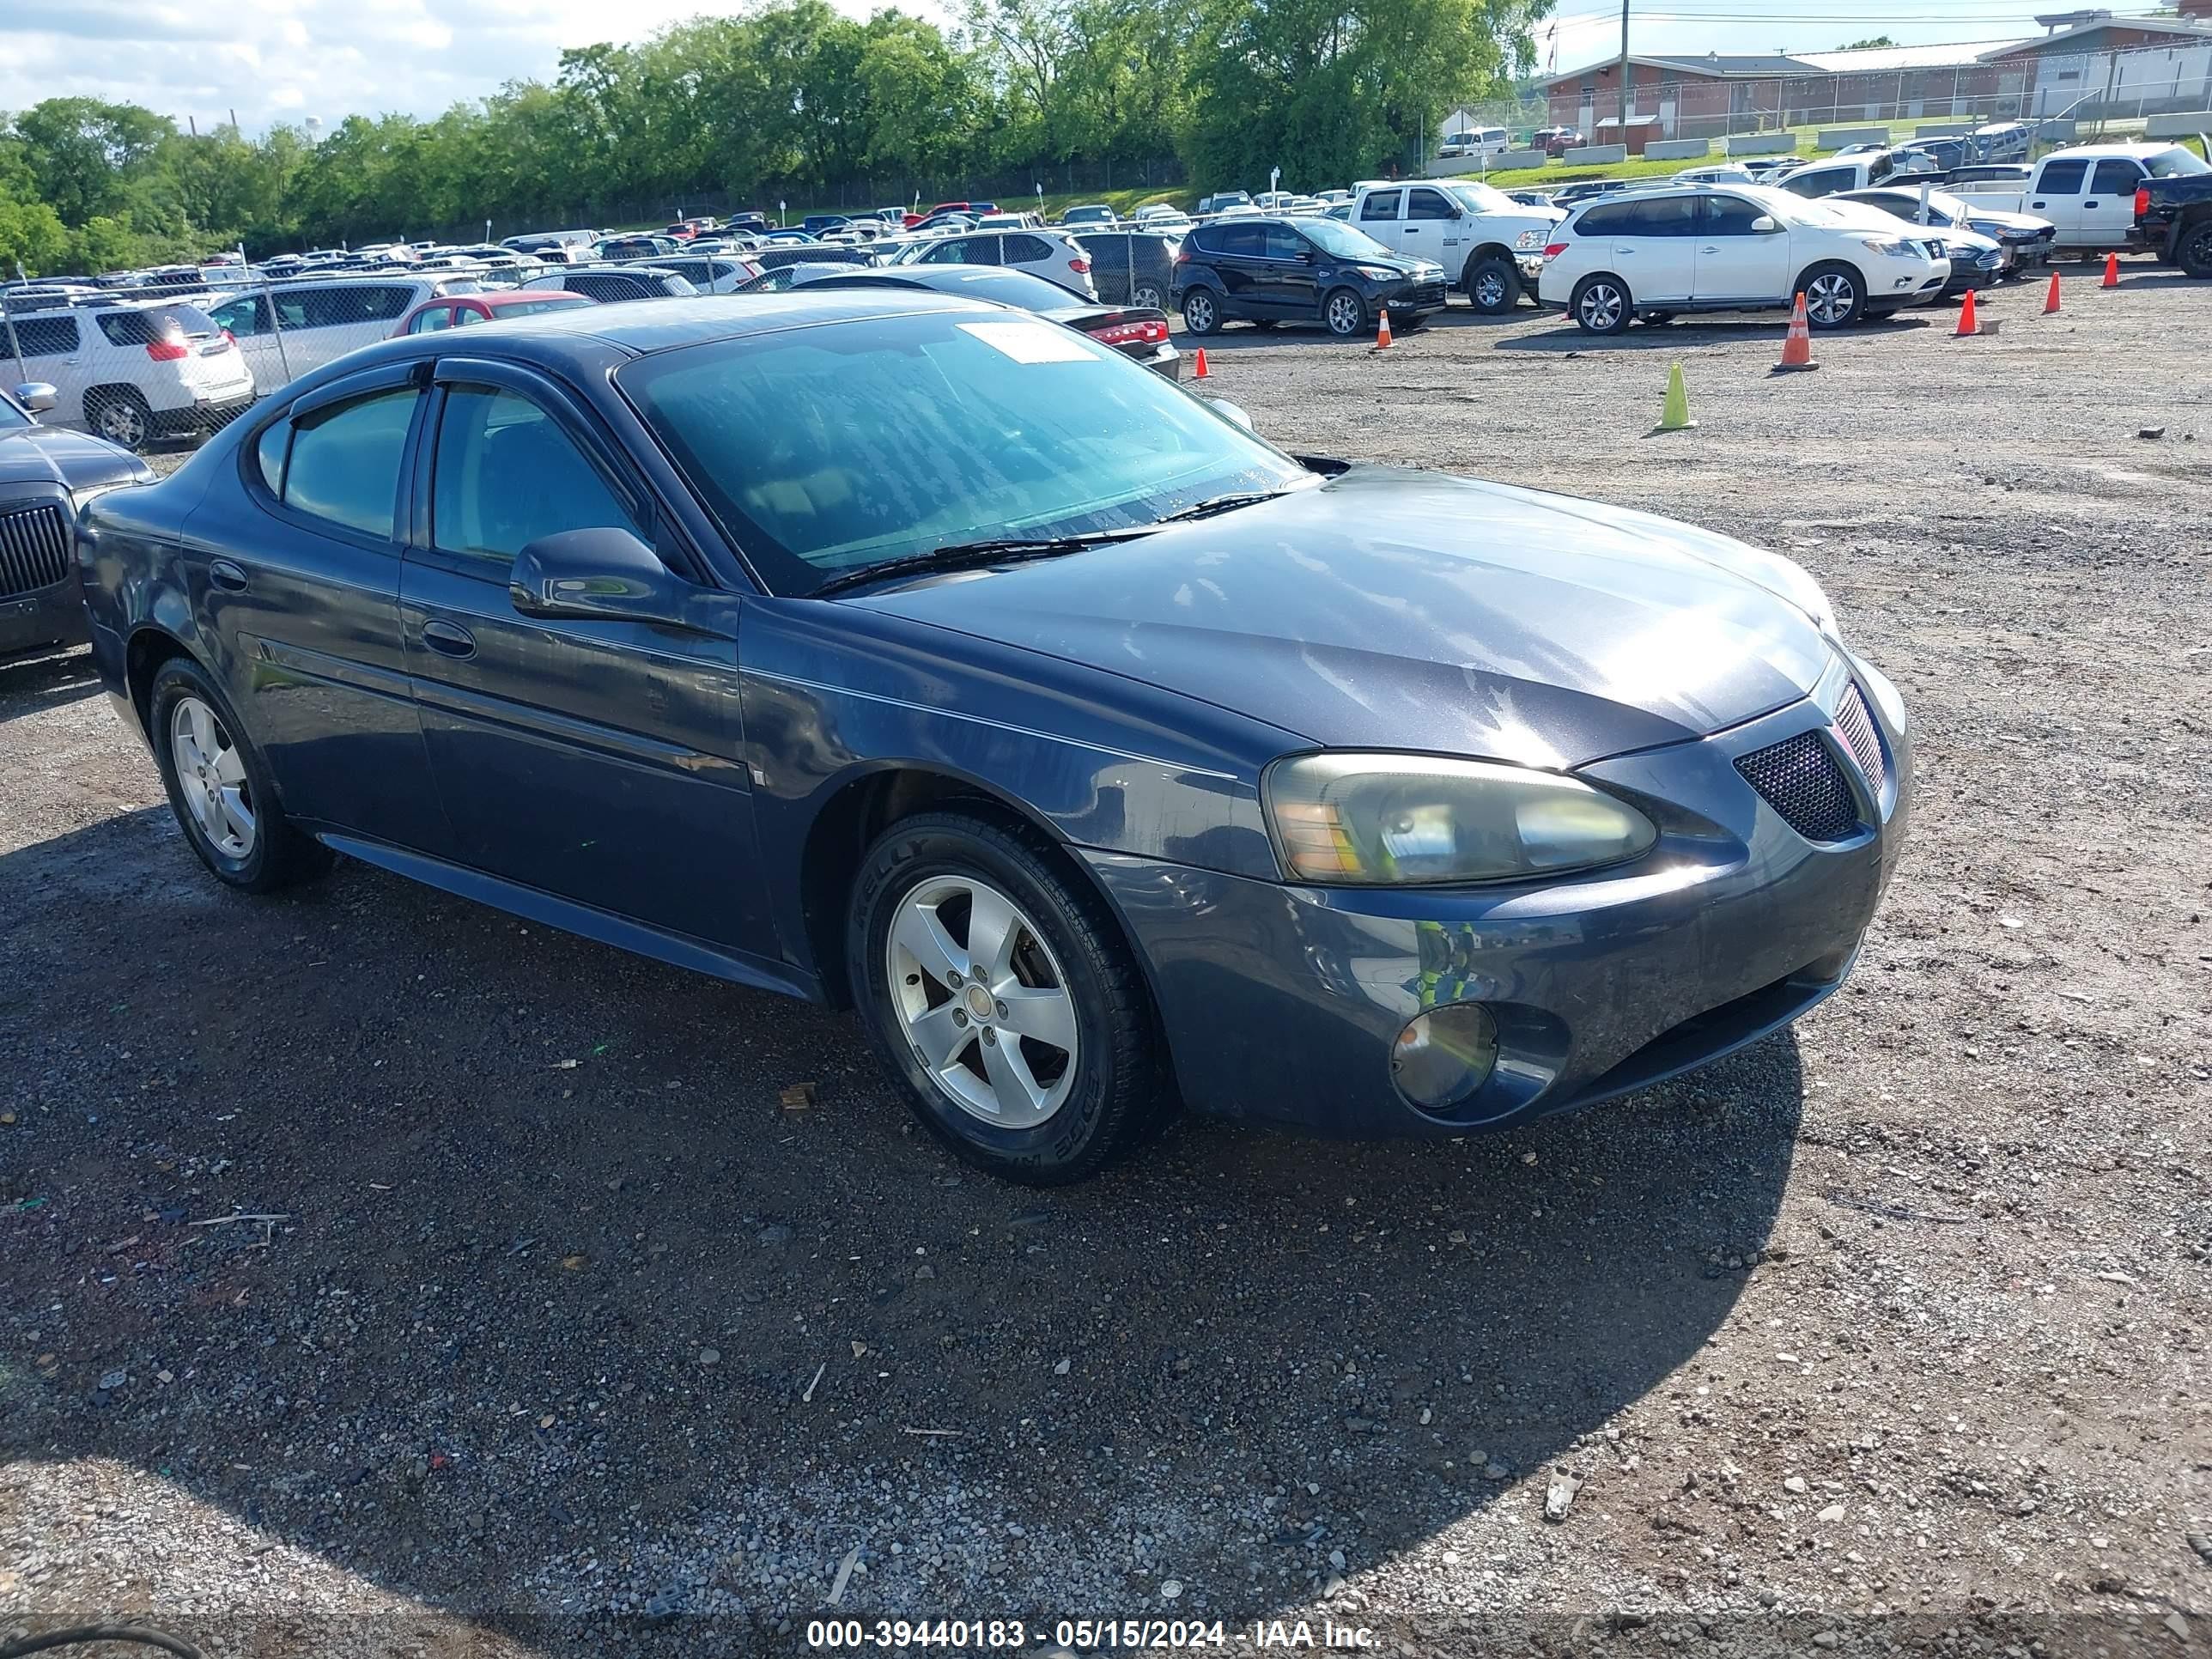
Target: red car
913,219
457,310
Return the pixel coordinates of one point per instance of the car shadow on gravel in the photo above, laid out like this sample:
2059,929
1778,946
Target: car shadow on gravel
564,1319
30,686
1665,337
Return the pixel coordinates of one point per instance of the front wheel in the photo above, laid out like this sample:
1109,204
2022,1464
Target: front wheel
1601,305
1835,295
1493,286
1345,313
219,788
1003,996
1200,314
2193,254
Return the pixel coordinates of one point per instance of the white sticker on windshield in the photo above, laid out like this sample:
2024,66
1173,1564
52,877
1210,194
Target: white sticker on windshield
1031,342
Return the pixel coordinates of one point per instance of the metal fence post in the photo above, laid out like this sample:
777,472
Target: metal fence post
14,345
276,330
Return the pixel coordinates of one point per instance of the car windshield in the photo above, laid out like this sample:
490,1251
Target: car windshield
13,416
1478,197
825,450
1341,240
2176,163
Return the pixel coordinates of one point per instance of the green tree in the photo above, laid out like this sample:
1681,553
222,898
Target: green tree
32,238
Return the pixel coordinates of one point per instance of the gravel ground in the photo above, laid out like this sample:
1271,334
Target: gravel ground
561,1338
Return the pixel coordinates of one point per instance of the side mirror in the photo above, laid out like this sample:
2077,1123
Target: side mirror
1233,413
601,575
37,396
1764,225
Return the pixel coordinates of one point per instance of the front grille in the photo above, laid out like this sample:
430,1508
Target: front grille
33,548
1799,777
1854,725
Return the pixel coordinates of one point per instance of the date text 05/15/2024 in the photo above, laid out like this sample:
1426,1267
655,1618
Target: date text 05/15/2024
1086,1635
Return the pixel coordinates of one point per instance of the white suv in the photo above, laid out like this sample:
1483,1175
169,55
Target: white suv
1052,254
132,372
1655,253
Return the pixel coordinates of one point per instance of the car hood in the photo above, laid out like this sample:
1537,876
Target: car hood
75,460
1398,610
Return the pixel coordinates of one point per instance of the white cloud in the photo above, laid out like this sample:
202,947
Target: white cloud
276,60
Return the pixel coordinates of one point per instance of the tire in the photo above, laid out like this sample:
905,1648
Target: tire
1835,295
1067,1109
1493,285
2192,251
1201,312
1343,312
218,787
1601,305
121,414
1149,294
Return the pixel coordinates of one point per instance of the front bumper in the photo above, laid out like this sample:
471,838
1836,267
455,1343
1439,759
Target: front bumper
1282,1002
50,616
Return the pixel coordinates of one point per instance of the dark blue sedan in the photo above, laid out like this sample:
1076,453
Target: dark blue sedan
893,650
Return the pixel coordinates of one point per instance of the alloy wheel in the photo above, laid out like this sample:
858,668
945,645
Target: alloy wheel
1198,312
120,423
1490,290
1830,298
1147,294
1345,314
211,778
983,1002
1601,307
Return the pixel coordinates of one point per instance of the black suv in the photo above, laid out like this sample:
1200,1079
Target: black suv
1131,267
1300,271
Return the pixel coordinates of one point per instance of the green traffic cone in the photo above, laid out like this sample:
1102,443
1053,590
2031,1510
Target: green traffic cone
1675,416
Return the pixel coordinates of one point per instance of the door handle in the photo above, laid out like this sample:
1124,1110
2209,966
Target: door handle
2035,204
446,637
227,576
2088,204
1708,249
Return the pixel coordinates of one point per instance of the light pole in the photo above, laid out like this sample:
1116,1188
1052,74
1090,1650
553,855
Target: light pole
780,207
1039,187
1274,177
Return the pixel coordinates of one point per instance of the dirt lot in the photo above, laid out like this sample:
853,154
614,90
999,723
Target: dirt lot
564,1340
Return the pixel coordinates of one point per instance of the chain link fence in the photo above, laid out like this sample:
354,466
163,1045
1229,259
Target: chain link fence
143,367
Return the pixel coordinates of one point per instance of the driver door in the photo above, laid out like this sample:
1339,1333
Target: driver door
1735,262
596,761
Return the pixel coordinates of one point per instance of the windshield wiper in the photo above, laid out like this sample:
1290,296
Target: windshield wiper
1207,508
973,555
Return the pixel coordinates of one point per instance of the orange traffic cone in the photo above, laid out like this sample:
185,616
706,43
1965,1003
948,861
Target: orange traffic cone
1199,372
1382,334
2111,272
1798,345
1968,322
2051,299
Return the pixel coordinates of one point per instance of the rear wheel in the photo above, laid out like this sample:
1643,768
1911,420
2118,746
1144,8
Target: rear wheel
1345,313
1492,285
1003,996
2193,252
1148,293
1835,295
219,788
1600,305
1200,312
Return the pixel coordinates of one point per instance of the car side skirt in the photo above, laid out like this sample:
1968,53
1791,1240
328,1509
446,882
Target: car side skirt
534,904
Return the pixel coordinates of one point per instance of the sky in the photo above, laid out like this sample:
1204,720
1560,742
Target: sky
285,60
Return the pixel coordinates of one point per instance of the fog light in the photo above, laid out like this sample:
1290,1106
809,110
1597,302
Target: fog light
1444,1055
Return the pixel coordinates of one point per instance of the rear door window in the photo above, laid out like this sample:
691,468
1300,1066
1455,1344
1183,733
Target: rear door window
1660,215
2062,178
1024,250
344,467
1240,242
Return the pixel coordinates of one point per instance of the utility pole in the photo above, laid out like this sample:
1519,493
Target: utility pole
1623,75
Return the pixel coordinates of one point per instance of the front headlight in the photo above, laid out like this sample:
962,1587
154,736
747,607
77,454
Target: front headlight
1529,239
1894,247
1377,273
1402,820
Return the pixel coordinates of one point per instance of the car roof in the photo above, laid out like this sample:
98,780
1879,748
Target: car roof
648,326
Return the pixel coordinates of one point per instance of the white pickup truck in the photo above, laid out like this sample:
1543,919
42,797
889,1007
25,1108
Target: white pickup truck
2089,191
1489,245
